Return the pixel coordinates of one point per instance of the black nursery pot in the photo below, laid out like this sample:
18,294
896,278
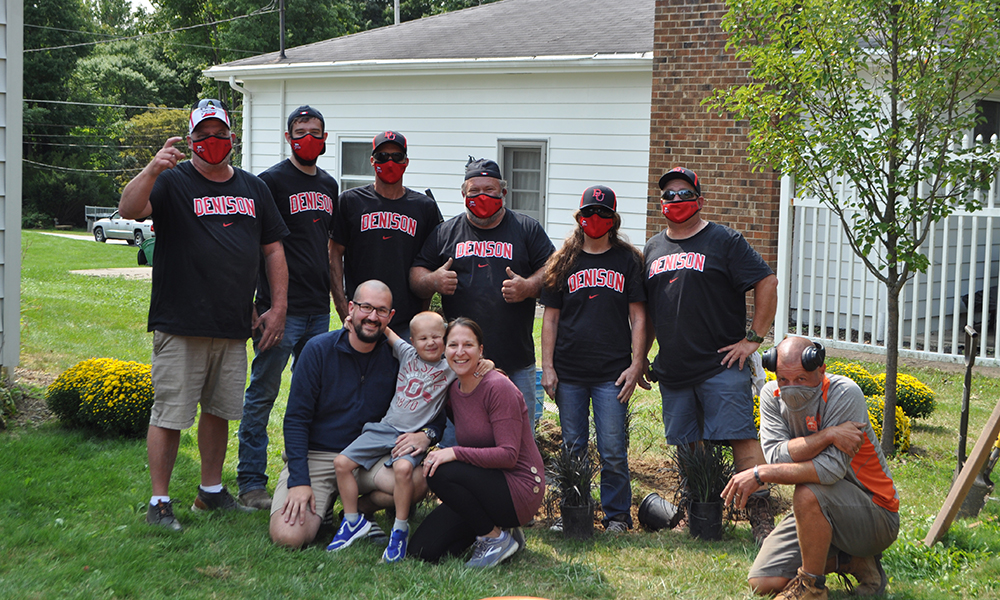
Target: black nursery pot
577,521
705,520
655,513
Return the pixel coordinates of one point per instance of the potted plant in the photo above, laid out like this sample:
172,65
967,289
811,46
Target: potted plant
704,470
571,478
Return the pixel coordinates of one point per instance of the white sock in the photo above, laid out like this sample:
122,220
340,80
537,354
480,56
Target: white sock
211,489
351,517
401,524
154,500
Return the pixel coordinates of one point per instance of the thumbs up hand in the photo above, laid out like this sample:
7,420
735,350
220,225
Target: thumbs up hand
446,280
516,288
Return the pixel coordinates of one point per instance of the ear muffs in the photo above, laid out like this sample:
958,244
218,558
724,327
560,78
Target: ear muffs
813,358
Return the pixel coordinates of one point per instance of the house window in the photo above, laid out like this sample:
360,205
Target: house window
355,165
523,166
991,110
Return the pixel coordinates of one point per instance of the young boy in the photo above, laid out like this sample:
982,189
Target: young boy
422,385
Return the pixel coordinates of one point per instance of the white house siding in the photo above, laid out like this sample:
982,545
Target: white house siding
594,121
11,67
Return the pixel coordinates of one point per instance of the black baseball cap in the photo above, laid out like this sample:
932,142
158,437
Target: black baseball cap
389,137
305,111
599,195
681,173
482,167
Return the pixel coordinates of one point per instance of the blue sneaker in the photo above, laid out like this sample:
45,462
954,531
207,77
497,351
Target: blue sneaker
396,550
349,533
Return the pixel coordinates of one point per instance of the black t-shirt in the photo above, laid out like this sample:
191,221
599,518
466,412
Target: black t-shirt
696,293
481,259
307,204
381,237
594,336
208,239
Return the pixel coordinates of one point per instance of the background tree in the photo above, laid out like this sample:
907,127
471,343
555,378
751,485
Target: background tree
877,92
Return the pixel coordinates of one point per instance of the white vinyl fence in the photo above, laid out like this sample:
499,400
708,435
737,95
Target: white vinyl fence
827,293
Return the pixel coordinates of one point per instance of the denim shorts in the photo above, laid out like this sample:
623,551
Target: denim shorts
718,409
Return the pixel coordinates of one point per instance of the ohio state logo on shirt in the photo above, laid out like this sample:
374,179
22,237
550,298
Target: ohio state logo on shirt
675,262
304,201
224,205
389,220
591,278
423,382
485,249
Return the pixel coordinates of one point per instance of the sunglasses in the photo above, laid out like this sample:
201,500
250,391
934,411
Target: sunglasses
384,157
211,102
601,211
669,195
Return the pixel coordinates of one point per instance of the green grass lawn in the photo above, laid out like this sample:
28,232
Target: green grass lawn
72,506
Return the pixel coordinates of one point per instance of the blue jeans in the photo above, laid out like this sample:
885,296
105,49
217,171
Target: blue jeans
610,416
265,381
524,380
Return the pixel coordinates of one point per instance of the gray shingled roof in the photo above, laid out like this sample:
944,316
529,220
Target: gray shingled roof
509,28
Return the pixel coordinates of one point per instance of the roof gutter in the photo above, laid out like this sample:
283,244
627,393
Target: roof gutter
247,113
639,61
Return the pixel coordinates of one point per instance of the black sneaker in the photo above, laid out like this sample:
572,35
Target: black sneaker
218,501
162,515
376,536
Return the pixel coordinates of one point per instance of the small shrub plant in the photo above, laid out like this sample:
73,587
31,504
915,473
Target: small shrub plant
916,399
106,395
857,374
876,408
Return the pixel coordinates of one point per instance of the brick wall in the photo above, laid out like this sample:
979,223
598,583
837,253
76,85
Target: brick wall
689,61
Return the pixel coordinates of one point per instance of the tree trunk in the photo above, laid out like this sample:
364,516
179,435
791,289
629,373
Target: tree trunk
891,365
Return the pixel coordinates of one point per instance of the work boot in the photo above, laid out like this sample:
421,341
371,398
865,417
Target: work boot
256,499
867,570
803,587
761,516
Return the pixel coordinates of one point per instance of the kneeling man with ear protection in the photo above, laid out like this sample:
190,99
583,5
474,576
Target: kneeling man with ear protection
815,434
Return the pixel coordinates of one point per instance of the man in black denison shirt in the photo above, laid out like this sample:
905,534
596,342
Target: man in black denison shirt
213,222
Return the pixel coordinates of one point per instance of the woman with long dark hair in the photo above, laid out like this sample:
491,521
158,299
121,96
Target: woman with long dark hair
492,481
593,337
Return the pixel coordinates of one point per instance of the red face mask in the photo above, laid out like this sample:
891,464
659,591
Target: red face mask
308,148
595,226
213,149
678,212
390,172
484,206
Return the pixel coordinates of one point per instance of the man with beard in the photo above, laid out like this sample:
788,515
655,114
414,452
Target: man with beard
487,264
306,197
380,228
343,379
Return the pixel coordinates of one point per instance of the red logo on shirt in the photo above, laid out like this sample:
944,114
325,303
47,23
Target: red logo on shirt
594,296
676,262
227,224
389,220
811,424
591,278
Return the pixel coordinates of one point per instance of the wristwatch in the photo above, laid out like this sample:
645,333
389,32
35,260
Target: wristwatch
430,433
753,337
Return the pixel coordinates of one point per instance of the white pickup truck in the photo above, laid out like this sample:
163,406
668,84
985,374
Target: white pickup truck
116,227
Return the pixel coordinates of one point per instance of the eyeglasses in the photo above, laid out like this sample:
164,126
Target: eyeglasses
669,195
601,211
384,157
366,309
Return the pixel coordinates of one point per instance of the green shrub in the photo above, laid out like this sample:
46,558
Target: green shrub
857,374
915,398
119,402
104,394
876,409
66,392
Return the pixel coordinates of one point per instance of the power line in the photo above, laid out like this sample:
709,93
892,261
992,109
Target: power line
72,170
67,30
40,101
116,39
262,11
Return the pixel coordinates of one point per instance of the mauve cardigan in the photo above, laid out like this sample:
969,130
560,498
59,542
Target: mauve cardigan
493,432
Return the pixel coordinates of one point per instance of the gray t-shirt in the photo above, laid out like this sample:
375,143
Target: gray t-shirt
843,401
421,388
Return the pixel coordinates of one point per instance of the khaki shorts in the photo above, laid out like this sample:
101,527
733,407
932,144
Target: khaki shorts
860,528
323,480
188,371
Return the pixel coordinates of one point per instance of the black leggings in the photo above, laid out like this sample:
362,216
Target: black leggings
474,500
